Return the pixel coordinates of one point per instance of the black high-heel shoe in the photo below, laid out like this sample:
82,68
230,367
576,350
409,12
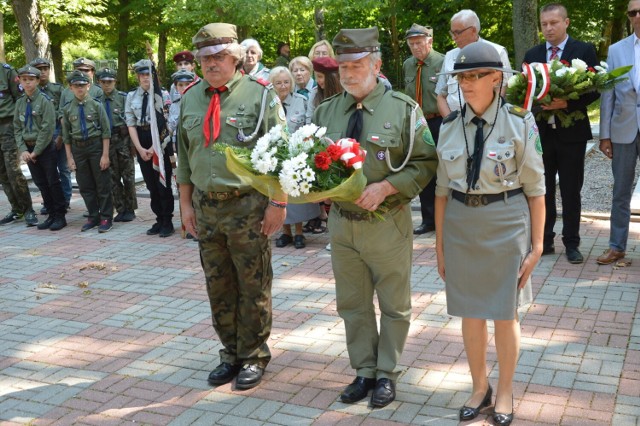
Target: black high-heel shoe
470,413
504,419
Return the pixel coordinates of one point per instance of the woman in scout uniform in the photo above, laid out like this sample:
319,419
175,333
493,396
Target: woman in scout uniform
253,56
298,111
489,220
321,49
86,133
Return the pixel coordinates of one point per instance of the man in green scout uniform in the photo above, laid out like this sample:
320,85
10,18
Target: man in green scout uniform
232,220
88,67
86,132
122,165
11,178
420,84
367,253
34,122
54,91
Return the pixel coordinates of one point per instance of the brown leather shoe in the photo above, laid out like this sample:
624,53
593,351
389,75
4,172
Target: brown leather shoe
609,256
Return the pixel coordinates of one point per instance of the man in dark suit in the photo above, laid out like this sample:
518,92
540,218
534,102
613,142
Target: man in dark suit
563,147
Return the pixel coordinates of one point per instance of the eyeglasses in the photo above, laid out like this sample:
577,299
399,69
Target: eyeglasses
472,77
632,13
219,57
456,33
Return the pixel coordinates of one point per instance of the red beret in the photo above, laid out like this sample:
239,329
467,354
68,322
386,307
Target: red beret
185,55
325,64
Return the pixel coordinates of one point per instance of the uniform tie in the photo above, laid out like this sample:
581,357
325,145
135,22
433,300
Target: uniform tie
354,127
304,92
419,83
478,150
28,116
145,107
107,103
83,122
212,117
554,52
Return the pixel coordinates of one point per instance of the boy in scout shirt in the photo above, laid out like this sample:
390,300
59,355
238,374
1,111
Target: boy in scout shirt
54,91
122,165
88,67
370,255
86,133
34,123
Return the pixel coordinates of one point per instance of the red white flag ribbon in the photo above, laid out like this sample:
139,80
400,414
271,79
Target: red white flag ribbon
529,71
351,153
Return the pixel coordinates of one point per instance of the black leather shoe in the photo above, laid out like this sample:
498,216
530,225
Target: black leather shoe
128,216
284,240
503,419
574,256
470,413
423,229
46,224
154,230
58,224
249,376
223,373
383,393
118,217
548,249
357,390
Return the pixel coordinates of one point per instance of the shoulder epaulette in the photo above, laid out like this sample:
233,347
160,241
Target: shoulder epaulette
260,81
516,110
98,100
66,103
7,66
55,84
46,96
331,97
403,97
451,117
122,93
191,85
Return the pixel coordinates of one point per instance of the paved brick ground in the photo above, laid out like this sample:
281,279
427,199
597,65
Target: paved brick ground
115,328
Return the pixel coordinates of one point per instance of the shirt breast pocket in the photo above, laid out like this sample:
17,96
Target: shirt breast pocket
454,163
381,146
243,126
409,80
501,163
193,126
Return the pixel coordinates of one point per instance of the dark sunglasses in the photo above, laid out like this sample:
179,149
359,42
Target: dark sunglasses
632,13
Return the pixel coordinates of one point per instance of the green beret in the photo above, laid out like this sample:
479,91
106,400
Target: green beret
353,44
106,74
84,62
40,62
29,70
213,38
78,77
418,30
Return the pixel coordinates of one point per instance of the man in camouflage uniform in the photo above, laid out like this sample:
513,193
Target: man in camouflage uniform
54,91
368,254
232,220
123,173
11,178
34,122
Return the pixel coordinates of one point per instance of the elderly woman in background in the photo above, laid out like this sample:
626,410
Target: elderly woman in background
320,49
489,215
253,56
298,111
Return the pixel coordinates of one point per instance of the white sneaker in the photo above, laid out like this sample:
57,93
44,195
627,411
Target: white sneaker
328,247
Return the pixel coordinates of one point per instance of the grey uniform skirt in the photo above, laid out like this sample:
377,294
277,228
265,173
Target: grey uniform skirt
483,250
301,212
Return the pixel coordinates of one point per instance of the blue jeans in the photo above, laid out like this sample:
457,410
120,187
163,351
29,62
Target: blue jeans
65,174
623,166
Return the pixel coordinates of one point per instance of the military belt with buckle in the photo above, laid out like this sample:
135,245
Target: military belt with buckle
481,200
366,215
30,144
224,196
82,142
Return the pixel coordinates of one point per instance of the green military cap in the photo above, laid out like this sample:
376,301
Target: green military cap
106,74
143,66
353,44
182,75
418,31
29,70
40,62
214,38
84,63
78,77
477,55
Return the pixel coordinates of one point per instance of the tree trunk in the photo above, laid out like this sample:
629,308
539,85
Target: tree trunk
318,18
33,31
395,44
3,57
57,73
525,28
123,35
162,53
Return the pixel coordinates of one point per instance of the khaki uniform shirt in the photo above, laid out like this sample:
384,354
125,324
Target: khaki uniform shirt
298,110
41,125
240,108
54,91
386,126
432,65
117,101
512,156
67,96
95,118
9,90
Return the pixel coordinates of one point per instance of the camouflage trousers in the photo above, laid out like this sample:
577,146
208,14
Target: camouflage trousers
123,174
236,259
11,177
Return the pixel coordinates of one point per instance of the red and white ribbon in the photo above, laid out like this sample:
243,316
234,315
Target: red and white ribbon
529,71
351,153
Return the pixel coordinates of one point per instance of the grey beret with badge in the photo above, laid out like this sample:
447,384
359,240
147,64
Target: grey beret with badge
419,31
40,62
214,38
78,77
353,44
106,74
84,62
30,71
